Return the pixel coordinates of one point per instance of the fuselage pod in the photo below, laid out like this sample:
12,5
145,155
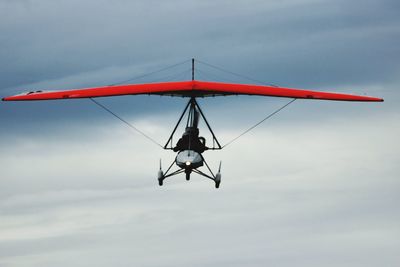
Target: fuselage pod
189,159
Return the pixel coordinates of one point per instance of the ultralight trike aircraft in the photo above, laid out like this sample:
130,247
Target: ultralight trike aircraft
191,145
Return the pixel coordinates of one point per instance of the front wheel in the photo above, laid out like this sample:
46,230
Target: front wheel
187,176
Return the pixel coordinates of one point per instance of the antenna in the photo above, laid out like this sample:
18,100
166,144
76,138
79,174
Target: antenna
192,69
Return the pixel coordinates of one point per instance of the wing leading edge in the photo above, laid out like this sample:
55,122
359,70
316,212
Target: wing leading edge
189,89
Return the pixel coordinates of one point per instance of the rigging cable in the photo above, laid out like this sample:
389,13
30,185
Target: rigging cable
127,123
254,126
234,73
135,78
254,80
206,73
150,73
172,77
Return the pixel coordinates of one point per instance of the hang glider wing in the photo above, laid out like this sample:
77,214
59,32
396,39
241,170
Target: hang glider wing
188,89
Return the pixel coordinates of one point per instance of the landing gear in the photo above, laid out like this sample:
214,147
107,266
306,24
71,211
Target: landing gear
215,177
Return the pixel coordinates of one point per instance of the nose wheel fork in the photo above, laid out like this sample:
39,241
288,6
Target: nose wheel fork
188,174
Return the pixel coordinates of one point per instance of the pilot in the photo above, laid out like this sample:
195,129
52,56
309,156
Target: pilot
191,141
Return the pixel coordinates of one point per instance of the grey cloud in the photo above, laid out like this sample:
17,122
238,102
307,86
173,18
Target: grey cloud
307,43
316,185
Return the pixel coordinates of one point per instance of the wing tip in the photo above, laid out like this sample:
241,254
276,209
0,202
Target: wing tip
376,99
9,98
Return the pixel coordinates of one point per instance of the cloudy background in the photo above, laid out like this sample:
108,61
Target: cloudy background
317,185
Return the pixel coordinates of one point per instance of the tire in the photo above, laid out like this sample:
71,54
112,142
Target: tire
217,184
187,176
160,182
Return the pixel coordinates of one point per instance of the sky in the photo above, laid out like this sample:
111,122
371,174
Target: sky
316,185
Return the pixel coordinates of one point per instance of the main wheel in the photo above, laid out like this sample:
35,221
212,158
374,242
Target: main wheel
160,182
217,184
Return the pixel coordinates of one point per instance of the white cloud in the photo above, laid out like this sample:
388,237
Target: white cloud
314,191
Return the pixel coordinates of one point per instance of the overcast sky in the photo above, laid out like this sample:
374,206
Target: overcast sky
317,185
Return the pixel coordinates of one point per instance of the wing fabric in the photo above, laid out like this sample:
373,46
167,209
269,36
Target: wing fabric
130,89
189,89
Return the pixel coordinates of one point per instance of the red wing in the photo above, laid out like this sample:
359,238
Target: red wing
130,89
262,90
189,89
